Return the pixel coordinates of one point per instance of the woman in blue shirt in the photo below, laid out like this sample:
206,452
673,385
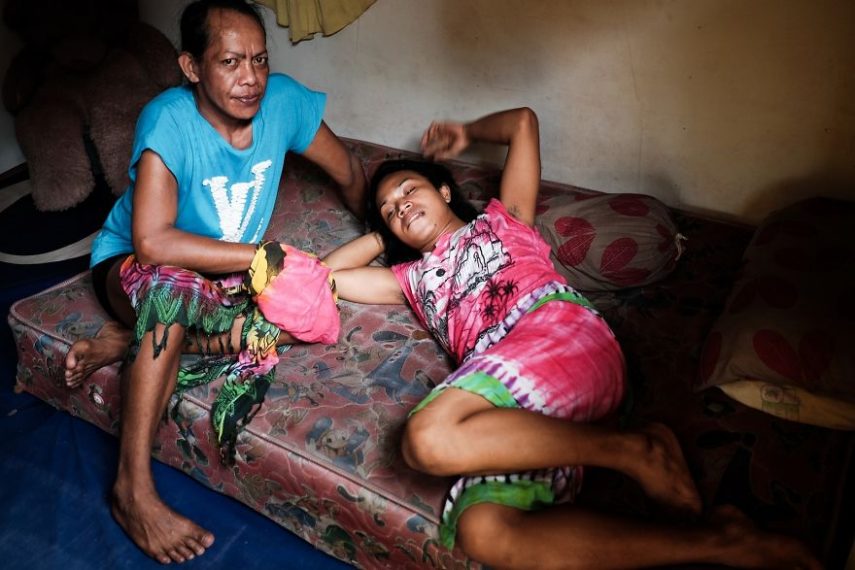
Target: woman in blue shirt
205,172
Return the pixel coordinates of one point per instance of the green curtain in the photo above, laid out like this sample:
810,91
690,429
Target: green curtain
304,18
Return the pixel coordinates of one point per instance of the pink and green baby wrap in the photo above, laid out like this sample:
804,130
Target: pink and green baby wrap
295,290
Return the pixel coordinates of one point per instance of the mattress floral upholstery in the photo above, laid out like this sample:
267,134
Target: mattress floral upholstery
321,458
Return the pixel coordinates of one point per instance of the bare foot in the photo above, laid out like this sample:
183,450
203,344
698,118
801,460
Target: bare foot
88,355
746,546
662,472
159,531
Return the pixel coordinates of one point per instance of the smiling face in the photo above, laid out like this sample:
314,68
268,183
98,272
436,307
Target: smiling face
231,76
415,211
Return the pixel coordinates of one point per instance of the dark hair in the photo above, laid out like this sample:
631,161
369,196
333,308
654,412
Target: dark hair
396,250
195,35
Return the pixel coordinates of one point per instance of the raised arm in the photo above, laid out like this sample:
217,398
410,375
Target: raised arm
328,152
156,239
517,128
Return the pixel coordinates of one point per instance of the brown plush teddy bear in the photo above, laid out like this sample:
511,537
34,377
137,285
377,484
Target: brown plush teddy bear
85,71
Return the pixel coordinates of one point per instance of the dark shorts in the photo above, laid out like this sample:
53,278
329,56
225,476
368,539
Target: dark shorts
99,282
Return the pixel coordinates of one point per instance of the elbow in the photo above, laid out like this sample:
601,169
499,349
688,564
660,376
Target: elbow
147,252
355,175
527,120
353,183
352,176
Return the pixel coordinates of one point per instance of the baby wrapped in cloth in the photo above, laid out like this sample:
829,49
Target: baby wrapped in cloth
295,291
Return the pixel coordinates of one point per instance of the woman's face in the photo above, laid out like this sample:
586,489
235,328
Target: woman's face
415,211
231,77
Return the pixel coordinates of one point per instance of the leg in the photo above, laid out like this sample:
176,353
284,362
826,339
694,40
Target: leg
158,530
570,537
460,433
230,341
147,385
111,343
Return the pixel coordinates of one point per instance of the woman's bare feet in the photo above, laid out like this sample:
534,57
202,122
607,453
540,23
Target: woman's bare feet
662,472
159,531
746,546
88,355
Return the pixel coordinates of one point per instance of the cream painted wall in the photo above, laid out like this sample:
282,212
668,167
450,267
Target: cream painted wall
730,106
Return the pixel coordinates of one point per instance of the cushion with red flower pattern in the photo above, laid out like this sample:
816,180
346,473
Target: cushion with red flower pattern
604,242
785,342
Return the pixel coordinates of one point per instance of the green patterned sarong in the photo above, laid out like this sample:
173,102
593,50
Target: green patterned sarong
206,310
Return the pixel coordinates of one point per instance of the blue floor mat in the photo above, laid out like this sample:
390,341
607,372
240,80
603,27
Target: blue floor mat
57,471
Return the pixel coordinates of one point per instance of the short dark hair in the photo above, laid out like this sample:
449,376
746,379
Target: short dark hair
195,35
437,174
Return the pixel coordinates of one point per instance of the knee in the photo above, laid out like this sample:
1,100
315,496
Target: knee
429,448
485,533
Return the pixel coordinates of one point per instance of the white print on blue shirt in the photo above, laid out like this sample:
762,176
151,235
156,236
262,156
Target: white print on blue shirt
236,200
232,211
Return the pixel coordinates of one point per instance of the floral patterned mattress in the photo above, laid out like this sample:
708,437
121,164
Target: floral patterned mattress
321,458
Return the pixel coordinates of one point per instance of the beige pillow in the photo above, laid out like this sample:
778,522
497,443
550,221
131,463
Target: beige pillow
610,241
790,318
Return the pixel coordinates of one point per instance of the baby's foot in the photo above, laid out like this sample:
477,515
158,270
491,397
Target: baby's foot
662,471
88,355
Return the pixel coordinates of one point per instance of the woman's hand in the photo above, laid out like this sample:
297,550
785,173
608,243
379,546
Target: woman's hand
519,130
444,140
